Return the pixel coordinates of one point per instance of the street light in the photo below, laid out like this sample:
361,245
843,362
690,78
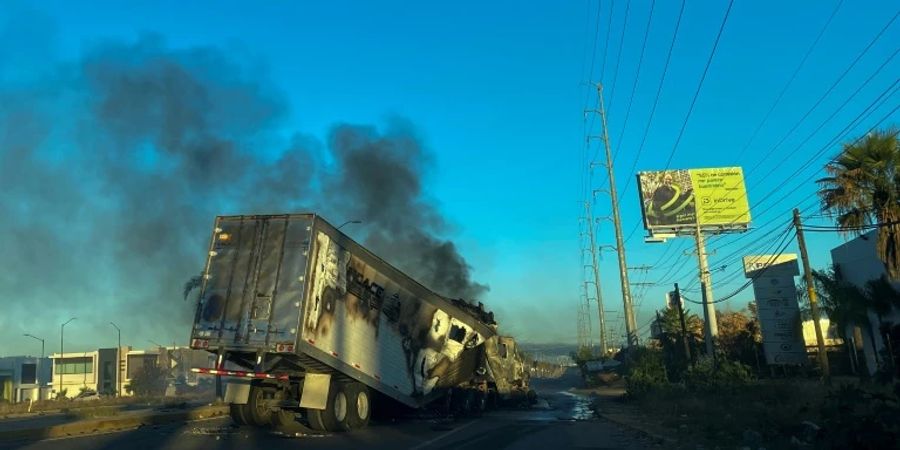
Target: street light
118,361
349,222
62,329
40,363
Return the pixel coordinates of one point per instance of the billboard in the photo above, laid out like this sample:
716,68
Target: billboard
682,198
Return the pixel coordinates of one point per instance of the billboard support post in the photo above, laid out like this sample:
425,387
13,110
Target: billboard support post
630,323
711,329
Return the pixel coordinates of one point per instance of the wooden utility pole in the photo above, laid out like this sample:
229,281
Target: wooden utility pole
684,335
813,300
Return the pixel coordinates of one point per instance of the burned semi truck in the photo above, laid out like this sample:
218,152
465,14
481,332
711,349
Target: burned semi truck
302,319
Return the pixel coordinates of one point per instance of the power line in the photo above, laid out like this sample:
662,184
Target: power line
659,88
637,77
827,92
619,55
752,277
709,60
792,77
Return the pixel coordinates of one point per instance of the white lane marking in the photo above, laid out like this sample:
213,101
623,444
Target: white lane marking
431,441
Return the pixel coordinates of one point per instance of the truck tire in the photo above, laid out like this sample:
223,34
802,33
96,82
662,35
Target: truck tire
282,418
256,412
335,416
237,413
463,401
360,405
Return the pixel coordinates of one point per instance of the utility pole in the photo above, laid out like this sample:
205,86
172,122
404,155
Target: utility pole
813,300
630,323
711,329
119,361
684,335
62,359
595,266
40,364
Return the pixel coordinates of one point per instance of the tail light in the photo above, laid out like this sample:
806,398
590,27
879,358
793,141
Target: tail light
284,348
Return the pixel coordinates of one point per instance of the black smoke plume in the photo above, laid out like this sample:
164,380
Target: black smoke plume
113,166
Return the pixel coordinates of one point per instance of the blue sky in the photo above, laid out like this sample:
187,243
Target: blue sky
497,91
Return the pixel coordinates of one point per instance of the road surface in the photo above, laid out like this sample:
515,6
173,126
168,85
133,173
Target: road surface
561,420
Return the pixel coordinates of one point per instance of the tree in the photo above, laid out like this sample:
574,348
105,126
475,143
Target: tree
671,339
150,381
862,190
738,336
845,304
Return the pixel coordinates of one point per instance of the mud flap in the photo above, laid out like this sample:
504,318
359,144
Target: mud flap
237,392
315,391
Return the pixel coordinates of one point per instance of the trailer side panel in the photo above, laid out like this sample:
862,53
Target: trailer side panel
373,322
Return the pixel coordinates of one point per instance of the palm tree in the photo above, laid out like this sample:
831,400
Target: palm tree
845,304
862,191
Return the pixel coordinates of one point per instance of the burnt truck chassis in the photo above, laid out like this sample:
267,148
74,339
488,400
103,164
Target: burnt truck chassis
272,378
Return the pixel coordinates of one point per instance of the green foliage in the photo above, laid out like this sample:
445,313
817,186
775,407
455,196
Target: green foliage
671,339
862,189
708,376
582,354
739,336
856,418
149,382
61,395
645,372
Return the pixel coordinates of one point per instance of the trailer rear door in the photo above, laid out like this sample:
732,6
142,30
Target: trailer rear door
254,281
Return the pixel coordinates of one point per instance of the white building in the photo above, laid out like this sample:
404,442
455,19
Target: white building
858,263
24,378
77,371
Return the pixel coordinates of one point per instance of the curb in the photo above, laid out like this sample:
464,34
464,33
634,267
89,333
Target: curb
85,427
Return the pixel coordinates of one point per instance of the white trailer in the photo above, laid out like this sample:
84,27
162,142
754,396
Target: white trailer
305,320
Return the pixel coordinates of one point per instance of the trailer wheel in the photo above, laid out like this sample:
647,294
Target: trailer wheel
336,413
462,401
360,403
282,418
481,402
256,411
238,414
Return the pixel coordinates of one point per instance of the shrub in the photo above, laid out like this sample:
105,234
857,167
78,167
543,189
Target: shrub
645,372
149,382
856,418
706,375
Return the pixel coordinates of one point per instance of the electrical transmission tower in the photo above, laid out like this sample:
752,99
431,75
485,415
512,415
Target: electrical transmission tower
630,323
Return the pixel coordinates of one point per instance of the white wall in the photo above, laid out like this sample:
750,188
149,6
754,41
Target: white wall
859,263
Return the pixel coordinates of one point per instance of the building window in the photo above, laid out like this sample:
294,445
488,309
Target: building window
75,365
29,373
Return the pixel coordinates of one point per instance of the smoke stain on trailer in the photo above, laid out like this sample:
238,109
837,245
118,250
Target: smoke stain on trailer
434,344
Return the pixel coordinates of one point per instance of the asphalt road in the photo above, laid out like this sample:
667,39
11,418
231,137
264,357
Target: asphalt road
561,420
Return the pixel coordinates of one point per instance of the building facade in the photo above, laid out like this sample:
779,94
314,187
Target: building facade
74,372
858,263
24,378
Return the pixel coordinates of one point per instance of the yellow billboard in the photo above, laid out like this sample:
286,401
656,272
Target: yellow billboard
681,198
